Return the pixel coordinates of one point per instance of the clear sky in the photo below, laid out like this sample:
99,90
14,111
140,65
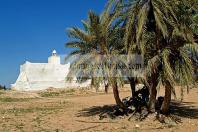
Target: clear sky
31,29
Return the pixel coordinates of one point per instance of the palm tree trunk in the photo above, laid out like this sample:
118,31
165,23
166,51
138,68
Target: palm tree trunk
152,99
153,94
132,85
116,95
167,99
106,84
153,90
106,88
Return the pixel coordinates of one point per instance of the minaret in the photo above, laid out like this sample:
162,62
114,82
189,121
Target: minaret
54,59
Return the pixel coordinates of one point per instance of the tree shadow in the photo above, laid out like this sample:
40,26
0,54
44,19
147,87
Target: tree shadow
184,109
96,110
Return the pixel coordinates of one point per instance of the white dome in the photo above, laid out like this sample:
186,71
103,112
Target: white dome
54,52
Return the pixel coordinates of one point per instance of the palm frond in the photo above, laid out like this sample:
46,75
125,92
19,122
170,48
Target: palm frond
142,20
168,72
160,22
79,34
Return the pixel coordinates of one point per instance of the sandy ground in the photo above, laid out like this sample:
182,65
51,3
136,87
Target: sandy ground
77,111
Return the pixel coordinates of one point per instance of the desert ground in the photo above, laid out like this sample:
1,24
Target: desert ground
78,110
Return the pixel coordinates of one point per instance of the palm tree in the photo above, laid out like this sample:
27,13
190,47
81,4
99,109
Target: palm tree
144,16
152,28
98,39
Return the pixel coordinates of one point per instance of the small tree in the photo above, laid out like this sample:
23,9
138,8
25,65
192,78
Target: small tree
3,87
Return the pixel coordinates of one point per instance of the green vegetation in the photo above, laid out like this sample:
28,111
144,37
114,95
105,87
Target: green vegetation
1,92
52,94
43,110
163,31
9,99
2,87
20,127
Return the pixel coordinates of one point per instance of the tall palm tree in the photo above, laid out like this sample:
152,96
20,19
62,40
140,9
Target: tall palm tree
94,45
142,17
152,28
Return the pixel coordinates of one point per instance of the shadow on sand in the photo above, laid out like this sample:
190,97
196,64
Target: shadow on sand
95,110
184,109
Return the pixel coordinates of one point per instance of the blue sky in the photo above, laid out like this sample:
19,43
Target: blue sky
31,29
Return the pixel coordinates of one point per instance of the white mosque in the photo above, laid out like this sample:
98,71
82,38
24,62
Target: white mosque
41,76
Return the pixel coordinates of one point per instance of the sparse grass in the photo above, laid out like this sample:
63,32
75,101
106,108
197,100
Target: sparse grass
53,94
65,112
49,94
43,110
71,90
136,130
20,127
57,130
1,92
9,99
37,120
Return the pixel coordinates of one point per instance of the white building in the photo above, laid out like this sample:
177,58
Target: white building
40,76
